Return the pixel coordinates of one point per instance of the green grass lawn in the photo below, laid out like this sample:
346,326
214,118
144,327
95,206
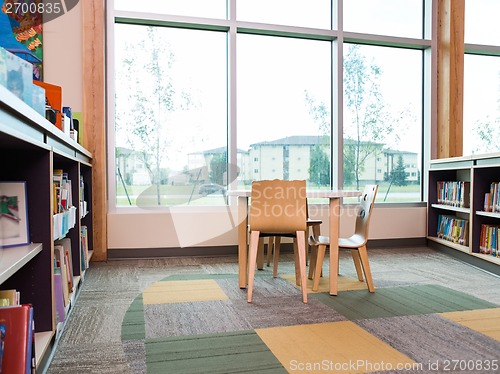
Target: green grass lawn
188,195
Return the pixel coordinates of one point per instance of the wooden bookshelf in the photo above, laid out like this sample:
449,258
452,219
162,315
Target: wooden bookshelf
31,148
481,171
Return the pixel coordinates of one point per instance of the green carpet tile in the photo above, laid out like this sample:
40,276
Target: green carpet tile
401,301
235,352
133,325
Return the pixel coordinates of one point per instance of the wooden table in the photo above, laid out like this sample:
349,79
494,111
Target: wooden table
334,197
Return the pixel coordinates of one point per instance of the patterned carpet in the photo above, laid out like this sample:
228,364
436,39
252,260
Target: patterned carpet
429,314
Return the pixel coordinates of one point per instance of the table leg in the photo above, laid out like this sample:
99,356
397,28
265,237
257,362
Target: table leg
242,241
334,243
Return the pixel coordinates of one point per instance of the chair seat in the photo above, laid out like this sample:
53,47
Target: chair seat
354,241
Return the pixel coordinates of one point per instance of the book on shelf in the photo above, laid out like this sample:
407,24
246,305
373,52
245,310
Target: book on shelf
488,240
84,247
492,198
66,244
60,263
453,229
454,193
2,341
59,294
17,325
62,191
30,355
9,297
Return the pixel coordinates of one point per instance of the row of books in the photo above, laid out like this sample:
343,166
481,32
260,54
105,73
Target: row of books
17,335
63,276
488,240
453,229
63,222
63,198
84,247
454,193
492,199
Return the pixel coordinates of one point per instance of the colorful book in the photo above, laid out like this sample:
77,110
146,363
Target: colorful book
59,295
17,324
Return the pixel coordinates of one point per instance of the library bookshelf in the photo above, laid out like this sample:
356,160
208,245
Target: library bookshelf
478,172
30,149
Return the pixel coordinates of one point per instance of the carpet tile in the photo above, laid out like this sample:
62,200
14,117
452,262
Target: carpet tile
344,283
237,352
400,301
177,319
183,291
435,343
133,325
485,321
342,346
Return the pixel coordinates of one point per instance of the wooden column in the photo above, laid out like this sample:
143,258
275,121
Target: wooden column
94,116
450,83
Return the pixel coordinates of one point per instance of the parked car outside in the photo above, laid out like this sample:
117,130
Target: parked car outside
211,188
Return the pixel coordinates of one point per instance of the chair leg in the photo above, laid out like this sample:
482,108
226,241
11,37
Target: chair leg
260,254
314,252
363,255
334,282
302,264
357,264
312,260
306,243
270,249
252,260
276,258
296,261
320,256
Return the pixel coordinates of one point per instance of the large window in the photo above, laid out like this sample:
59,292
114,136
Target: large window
284,90
170,116
268,86
383,120
481,124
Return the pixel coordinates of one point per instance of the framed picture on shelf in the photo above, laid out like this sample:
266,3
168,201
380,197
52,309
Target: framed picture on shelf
14,229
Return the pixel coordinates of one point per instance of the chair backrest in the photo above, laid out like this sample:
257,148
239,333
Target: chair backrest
278,206
365,210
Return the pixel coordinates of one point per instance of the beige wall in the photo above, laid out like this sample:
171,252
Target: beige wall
183,229
62,56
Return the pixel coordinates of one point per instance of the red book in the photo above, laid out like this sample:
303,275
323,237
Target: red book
17,324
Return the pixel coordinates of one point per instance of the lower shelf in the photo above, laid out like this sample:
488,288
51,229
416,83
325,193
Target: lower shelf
495,260
458,247
42,343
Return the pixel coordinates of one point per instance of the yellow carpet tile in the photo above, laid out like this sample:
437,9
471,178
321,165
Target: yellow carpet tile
341,347
183,291
345,283
485,321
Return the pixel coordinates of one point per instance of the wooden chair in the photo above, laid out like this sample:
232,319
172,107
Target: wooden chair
356,243
274,244
278,209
